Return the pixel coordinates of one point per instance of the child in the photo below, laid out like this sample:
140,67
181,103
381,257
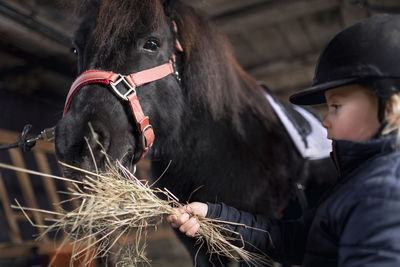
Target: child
357,223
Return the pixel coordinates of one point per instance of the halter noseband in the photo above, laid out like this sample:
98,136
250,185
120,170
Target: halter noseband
130,81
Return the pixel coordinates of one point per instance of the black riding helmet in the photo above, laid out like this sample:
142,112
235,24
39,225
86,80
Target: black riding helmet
367,52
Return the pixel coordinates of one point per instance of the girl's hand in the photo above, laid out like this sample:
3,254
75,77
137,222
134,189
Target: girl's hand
187,224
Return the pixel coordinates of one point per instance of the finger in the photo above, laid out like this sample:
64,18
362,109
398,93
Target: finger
187,208
178,211
175,225
187,225
182,219
193,230
171,218
181,210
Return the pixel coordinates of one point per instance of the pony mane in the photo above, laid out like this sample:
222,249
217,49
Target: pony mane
211,76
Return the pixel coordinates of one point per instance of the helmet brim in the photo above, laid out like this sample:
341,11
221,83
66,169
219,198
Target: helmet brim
316,94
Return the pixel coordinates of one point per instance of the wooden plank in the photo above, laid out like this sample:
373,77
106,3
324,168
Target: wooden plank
363,9
75,203
291,80
58,17
26,188
287,76
383,6
281,66
32,41
14,232
218,7
8,137
261,44
321,27
19,216
273,12
48,183
296,37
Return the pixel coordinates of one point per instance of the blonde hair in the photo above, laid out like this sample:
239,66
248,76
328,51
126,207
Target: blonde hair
392,115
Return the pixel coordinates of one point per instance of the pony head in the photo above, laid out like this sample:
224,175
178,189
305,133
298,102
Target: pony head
128,37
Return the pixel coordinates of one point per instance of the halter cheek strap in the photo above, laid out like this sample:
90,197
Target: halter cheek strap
130,82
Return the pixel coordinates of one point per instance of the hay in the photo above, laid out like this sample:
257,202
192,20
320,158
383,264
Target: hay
114,203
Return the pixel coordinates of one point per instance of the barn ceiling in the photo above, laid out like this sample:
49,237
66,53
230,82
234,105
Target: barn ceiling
277,41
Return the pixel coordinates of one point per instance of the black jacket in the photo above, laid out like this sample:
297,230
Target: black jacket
356,224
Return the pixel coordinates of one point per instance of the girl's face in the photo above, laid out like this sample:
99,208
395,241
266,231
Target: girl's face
352,113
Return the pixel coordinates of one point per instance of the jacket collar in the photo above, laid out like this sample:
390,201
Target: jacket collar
347,155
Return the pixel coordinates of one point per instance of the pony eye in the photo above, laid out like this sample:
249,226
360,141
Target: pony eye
74,51
151,45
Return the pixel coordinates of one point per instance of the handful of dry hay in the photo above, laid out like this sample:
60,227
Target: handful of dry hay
116,202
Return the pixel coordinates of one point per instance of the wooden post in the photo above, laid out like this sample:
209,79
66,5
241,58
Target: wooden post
15,235
26,187
49,184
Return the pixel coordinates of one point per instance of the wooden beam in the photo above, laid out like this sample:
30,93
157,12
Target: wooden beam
270,13
26,19
280,66
287,76
26,188
49,184
14,233
216,8
290,81
29,40
379,6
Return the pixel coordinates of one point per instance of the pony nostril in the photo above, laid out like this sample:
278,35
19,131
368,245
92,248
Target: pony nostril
98,141
95,141
95,138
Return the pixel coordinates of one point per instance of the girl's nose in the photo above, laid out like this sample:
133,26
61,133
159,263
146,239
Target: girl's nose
325,122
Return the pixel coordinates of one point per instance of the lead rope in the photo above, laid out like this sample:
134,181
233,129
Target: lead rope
27,142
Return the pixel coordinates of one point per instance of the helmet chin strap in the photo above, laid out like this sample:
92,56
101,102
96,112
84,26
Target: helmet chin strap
382,109
380,130
381,116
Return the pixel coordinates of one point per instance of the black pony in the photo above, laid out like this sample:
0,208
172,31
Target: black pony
210,118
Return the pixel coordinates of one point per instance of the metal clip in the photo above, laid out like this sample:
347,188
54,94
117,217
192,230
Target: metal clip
27,143
47,134
131,89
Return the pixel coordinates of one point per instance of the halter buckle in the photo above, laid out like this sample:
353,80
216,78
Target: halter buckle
145,147
131,88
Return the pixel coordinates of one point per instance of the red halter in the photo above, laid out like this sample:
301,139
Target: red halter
131,82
